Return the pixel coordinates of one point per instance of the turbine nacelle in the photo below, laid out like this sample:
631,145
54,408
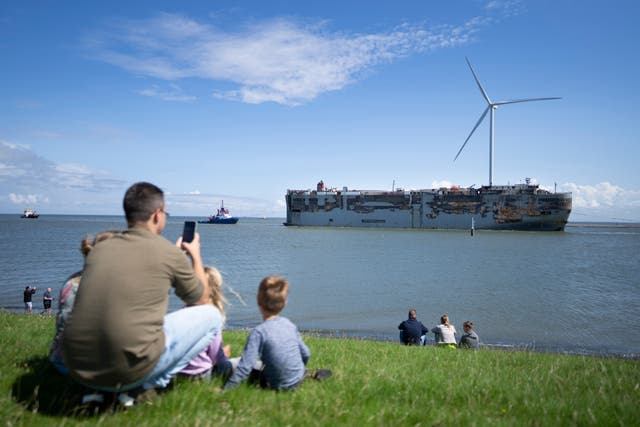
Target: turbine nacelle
491,106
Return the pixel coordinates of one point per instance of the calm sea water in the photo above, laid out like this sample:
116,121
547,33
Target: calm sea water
575,291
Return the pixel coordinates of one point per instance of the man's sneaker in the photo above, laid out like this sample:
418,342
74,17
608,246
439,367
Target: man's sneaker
137,396
126,400
321,374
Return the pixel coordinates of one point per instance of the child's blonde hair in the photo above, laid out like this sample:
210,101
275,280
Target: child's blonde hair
216,297
272,294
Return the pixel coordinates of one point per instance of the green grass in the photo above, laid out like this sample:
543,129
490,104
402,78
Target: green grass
374,383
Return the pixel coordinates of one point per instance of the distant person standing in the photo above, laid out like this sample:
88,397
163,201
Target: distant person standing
28,294
47,299
469,338
412,331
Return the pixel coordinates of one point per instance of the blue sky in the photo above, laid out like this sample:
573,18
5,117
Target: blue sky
243,100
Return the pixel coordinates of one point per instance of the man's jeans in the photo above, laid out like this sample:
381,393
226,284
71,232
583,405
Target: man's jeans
187,332
423,338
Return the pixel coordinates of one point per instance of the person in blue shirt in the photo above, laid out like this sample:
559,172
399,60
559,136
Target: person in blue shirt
412,331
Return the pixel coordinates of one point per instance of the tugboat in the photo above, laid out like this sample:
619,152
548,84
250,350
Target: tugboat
28,213
221,217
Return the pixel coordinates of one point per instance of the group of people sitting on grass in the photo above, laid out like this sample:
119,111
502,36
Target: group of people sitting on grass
413,332
113,333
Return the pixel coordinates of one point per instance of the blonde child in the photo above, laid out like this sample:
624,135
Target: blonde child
214,360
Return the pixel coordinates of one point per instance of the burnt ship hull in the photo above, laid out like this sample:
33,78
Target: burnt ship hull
517,207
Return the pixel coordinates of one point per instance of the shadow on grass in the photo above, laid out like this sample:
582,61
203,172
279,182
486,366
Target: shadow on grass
45,391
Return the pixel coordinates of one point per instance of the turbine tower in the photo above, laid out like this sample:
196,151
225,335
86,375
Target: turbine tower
491,107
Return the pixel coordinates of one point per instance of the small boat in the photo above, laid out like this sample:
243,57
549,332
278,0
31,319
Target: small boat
221,217
28,213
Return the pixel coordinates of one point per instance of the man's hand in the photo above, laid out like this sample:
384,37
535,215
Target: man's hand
193,249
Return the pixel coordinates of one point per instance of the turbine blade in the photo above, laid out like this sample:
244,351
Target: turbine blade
486,110
515,101
484,94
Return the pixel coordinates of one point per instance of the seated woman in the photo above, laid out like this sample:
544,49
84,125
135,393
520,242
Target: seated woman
68,297
445,333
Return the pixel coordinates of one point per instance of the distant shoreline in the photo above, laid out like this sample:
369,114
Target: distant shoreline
537,348
603,224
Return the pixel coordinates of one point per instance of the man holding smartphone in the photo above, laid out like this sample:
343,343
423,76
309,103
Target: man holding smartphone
119,336
28,294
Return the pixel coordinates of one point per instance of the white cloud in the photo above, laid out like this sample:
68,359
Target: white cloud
441,184
7,170
22,171
46,134
73,175
172,93
25,199
505,7
603,194
281,60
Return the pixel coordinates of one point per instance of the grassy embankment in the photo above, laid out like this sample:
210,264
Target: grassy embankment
374,383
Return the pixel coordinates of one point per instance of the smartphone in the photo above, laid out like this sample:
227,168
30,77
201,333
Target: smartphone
189,231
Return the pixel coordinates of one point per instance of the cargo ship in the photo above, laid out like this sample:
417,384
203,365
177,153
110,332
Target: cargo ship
492,207
506,207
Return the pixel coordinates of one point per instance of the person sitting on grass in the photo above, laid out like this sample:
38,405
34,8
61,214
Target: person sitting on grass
274,355
469,338
119,337
67,298
412,331
214,360
445,333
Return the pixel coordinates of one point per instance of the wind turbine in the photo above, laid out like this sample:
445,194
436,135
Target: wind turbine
491,107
